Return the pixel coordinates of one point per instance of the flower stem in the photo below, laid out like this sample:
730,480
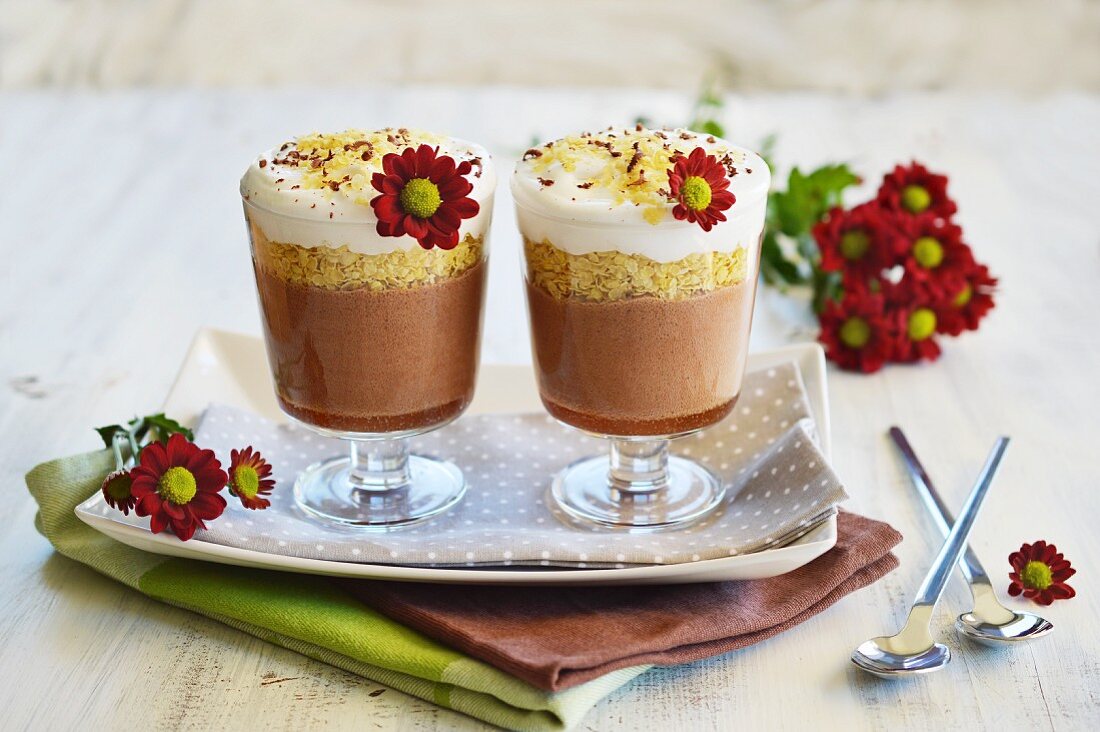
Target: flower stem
116,446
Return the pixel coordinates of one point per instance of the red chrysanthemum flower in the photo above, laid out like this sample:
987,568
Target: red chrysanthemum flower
856,333
860,242
117,491
1039,573
914,190
971,297
933,254
177,486
699,185
248,479
914,330
423,194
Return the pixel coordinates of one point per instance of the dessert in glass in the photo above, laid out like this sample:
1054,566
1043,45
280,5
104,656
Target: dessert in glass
369,249
641,251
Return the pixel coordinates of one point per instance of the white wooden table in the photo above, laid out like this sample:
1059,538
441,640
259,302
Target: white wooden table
122,233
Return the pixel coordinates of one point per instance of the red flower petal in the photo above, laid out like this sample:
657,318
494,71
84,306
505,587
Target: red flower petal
455,188
466,208
415,227
154,457
157,522
207,505
386,207
184,530
441,169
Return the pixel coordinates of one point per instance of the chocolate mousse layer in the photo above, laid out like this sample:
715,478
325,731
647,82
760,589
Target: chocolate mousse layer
360,360
641,366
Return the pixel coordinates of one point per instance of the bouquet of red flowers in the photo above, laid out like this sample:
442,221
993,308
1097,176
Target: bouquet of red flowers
890,276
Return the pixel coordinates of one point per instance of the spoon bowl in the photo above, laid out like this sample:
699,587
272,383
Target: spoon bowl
875,657
1022,626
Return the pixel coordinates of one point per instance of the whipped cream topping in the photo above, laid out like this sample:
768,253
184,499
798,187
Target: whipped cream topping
609,191
316,190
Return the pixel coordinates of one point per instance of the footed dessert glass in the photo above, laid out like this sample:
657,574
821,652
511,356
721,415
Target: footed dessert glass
641,250
369,250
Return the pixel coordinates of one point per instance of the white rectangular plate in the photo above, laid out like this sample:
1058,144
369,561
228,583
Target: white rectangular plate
232,369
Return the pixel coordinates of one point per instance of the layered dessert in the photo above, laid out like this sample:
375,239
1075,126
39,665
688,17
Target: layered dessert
369,250
641,251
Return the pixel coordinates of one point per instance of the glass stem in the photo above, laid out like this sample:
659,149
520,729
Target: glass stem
379,466
638,466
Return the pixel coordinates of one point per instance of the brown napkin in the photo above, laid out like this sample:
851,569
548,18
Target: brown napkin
558,637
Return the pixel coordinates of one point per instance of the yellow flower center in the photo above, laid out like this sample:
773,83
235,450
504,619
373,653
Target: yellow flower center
922,324
854,244
915,198
1037,575
855,332
928,252
695,193
177,486
119,487
246,481
963,297
420,197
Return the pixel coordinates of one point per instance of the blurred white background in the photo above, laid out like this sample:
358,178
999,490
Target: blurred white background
856,46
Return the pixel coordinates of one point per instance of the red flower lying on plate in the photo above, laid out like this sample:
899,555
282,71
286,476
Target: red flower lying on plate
1039,573
176,485
913,189
424,195
117,491
248,479
856,332
698,184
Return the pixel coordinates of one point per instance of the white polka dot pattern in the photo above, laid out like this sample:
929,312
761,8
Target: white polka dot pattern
779,484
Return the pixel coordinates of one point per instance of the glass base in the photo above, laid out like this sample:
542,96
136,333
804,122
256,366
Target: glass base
325,490
586,491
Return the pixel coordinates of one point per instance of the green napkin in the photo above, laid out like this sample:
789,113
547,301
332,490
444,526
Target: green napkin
305,613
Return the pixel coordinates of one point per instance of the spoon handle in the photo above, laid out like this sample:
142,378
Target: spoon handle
932,587
971,566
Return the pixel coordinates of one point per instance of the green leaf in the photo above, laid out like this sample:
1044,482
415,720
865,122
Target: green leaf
161,428
776,268
708,127
107,433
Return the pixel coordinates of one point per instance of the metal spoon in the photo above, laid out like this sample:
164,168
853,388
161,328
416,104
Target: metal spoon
990,622
912,650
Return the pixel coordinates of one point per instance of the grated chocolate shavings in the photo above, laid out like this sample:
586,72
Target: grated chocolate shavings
585,185
263,163
532,153
545,182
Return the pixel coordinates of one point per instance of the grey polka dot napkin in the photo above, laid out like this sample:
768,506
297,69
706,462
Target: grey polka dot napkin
778,481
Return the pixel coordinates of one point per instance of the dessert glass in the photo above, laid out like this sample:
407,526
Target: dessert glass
371,339
640,321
